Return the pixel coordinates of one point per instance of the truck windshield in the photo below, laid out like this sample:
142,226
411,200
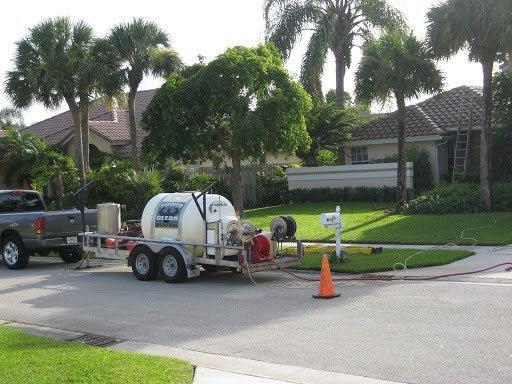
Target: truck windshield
20,202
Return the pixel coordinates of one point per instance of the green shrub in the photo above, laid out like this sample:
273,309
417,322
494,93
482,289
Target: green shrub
272,187
459,198
346,194
423,179
326,157
118,182
502,196
201,180
174,176
446,198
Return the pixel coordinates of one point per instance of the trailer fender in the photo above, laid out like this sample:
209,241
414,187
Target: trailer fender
178,250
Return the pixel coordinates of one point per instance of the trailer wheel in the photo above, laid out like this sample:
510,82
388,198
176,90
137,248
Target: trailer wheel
173,267
14,254
144,265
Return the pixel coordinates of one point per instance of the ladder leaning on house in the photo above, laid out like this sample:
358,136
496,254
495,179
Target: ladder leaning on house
462,142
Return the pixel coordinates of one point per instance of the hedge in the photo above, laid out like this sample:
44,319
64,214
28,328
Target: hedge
355,194
459,198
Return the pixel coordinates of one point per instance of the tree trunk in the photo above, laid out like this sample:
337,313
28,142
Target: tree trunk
84,115
401,180
133,127
486,138
236,184
79,149
59,186
340,80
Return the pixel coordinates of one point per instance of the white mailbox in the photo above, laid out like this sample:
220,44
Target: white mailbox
330,220
333,220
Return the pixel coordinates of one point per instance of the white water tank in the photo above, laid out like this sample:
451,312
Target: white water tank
175,215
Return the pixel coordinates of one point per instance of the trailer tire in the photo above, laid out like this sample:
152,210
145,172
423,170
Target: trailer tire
71,255
144,264
13,253
172,267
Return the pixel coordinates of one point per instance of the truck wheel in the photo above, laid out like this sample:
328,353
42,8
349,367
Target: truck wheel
71,255
144,265
14,254
173,268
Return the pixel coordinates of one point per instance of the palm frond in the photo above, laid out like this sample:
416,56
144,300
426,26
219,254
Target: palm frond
379,13
165,62
446,29
289,22
313,63
396,64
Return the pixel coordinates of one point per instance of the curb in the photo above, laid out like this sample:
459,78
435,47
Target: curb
209,366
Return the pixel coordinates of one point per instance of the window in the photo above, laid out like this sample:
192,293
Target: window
359,155
20,202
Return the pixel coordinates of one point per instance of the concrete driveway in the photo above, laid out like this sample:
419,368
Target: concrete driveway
435,332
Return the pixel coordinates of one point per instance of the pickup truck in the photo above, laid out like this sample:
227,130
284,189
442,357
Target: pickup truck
27,227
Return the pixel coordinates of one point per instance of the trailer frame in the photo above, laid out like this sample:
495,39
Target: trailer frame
92,242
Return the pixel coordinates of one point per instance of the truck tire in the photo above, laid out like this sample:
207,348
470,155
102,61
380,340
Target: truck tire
144,265
71,255
173,267
14,254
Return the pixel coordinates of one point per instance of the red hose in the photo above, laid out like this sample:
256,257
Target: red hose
396,278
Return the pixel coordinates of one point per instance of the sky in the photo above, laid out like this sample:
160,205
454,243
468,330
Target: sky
198,27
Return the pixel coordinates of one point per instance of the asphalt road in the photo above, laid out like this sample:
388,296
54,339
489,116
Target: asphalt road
435,332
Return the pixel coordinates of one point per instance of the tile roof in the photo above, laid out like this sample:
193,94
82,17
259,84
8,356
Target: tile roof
2,133
111,125
433,116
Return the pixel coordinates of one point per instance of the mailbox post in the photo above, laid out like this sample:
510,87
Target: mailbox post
333,220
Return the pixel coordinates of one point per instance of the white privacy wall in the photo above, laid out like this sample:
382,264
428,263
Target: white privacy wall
368,175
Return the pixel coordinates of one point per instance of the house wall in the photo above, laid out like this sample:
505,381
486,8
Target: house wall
100,143
368,175
379,151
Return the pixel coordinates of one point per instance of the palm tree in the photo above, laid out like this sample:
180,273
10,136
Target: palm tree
397,65
102,79
11,117
485,28
335,24
19,152
138,45
49,68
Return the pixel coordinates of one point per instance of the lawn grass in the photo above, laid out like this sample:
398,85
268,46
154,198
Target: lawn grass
364,224
363,263
31,359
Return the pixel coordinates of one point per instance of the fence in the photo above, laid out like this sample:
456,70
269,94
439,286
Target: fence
250,190
368,175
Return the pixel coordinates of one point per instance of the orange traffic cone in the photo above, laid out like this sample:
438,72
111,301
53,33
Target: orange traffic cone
326,289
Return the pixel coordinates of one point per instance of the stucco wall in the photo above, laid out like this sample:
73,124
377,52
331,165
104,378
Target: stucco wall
368,175
100,143
380,151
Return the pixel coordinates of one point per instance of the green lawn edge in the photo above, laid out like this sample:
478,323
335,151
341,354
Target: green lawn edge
33,359
359,263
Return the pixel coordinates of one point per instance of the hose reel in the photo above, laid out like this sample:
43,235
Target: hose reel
283,227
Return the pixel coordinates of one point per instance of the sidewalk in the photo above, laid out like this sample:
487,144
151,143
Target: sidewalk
485,257
218,369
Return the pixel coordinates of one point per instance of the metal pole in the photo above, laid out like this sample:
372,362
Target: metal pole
338,235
